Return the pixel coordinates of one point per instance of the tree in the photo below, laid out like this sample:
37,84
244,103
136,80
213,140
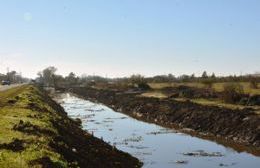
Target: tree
184,78
204,74
139,81
193,76
12,76
47,76
71,78
213,75
58,81
136,79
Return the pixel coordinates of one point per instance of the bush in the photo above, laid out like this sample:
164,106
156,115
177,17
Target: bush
253,83
186,92
143,86
233,92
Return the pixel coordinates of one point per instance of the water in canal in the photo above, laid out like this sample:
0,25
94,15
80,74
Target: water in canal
154,145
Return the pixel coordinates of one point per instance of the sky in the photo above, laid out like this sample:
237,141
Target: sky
118,38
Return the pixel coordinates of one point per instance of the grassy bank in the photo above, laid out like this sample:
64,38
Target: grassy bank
36,132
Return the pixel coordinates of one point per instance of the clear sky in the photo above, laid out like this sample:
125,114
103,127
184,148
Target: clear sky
122,37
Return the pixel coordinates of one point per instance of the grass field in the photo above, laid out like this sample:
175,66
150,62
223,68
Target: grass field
216,86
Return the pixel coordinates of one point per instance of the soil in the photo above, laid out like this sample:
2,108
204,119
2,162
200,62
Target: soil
239,126
80,148
16,145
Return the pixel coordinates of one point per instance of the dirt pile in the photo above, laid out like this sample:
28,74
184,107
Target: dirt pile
241,126
208,93
82,149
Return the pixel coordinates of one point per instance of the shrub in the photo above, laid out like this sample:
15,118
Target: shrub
232,93
143,86
253,83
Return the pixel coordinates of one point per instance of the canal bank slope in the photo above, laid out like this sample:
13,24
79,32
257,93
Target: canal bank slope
36,132
240,126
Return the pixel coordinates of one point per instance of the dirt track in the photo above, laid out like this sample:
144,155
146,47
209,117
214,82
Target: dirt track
6,87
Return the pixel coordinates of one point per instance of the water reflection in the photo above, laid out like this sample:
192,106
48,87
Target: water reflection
154,145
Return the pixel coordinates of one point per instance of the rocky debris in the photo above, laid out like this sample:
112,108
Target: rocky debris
134,139
163,131
203,154
181,162
226,165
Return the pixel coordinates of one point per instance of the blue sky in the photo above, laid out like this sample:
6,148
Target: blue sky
122,37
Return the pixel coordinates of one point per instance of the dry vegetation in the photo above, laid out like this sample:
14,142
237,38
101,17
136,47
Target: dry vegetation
243,87
219,86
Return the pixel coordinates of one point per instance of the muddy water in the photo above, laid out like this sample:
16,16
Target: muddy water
154,145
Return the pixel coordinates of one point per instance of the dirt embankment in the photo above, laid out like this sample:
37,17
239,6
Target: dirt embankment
40,134
241,126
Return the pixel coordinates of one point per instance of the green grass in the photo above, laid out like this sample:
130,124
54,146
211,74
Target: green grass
35,145
4,95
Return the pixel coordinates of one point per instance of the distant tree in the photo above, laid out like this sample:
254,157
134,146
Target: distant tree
171,77
137,78
47,76
58,81
11,76
213,75
192,76
204,74
184,78
71,78
139,81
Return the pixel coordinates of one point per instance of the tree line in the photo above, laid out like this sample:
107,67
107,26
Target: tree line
13,77
49,77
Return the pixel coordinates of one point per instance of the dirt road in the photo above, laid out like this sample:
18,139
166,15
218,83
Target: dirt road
6,87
